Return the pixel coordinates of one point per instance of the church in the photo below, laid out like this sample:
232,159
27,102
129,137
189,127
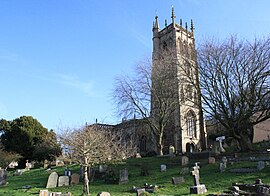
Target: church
185,129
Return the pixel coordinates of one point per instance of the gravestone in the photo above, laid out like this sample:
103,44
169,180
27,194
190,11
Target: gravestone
18,172
184,170
178,180
224,161
138,155
220,139
3,177
27,165
171,150
104,194
63,181
163,168
52,180
211,160
44,193
45,164
75,179
123,176
184,160
260,165
139,191
222,167
197,188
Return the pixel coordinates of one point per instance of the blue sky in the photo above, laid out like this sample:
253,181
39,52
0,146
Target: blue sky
59,58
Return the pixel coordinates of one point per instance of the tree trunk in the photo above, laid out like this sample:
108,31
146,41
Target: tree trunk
85,177
245,143
160,145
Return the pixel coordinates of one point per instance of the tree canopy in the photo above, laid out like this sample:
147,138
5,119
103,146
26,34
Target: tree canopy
25,136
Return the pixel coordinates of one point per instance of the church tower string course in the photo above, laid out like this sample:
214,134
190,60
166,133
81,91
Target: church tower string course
174,52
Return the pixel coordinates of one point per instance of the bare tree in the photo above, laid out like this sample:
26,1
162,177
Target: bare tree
91,145
235,83
151,94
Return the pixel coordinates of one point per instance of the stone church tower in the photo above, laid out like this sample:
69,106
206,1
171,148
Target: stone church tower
185,131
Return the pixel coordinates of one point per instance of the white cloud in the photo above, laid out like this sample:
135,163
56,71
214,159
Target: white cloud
86,87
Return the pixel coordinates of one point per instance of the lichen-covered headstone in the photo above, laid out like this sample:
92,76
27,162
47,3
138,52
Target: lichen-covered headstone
123,176
52,180
63,181
75,179
184,160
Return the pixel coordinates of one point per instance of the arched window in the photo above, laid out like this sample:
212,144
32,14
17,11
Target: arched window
191,124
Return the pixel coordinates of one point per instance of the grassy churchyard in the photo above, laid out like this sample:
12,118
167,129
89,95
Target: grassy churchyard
210,175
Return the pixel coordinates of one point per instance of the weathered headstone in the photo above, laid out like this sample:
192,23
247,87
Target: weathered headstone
75,179
139,191
184,170
211,160
44,193
104,194
197,188
123,176
184,160
222,167
63,181
224,161
52,180
171,150
178,180
18,172
260,165
27,165
3,177
163,168
138,155
45,164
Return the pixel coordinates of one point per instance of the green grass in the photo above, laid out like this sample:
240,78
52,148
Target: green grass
215,181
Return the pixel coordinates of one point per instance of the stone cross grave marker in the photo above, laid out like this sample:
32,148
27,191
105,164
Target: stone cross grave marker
123,176
52,180
196,174
75,179
63,181
197,188
220,139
